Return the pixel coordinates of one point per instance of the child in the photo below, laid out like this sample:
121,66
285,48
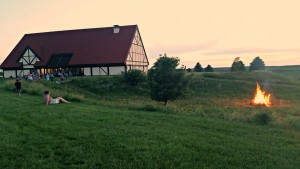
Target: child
18,87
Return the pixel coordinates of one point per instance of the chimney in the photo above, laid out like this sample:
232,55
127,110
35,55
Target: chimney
116,28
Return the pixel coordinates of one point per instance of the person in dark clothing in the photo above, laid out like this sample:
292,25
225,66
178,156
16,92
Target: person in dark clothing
18,87
51,77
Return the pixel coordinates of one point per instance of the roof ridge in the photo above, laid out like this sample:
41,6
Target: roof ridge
70,30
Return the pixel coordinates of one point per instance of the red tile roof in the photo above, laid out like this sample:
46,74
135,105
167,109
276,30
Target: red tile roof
98,46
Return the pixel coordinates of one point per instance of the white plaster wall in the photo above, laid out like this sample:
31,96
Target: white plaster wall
28,66
103,72
30,53
116,70
95,71
8,73
87,71
22,60
25,72
19,72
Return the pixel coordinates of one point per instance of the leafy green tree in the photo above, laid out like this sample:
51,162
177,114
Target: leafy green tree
257,64
198,67
165,82
208,68
134,77
237,65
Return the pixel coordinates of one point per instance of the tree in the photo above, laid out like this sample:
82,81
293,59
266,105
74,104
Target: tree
134,77
208,69
182,68
198,68
257,64
237,65
165,82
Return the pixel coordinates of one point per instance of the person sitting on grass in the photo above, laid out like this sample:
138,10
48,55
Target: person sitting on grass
49,100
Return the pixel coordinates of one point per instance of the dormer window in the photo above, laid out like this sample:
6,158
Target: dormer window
59,60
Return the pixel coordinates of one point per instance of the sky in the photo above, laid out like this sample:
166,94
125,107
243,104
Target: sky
211,32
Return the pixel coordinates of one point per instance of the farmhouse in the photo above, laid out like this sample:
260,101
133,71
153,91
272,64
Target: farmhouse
98,51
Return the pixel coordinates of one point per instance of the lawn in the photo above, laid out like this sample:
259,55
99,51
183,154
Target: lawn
111,125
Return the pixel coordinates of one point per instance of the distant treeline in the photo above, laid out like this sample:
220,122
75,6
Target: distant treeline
270,68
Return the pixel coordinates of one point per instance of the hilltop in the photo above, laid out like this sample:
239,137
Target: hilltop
113,125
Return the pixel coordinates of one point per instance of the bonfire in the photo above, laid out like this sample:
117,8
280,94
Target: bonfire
261,98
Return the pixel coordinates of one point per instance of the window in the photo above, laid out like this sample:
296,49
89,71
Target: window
59,60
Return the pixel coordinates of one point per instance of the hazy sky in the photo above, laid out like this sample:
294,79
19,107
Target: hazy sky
207,31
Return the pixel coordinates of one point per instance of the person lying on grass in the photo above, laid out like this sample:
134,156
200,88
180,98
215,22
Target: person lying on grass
49,100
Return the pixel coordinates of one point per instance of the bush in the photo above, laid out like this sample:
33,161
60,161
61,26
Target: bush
237,66
208,69
198,68
257,64
134,77
262,118
165,82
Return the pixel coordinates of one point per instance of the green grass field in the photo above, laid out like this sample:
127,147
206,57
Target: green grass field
112,125
286,70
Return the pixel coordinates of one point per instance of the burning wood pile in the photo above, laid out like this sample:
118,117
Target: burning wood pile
261,98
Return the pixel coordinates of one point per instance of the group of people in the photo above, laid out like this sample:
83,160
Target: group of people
62,77
30,76
49,77
47,97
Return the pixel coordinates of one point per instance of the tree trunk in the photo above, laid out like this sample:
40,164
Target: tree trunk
166,102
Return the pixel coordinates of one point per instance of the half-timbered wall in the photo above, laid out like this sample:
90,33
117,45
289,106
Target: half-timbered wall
87,71
116,70
100,71
110,70
28,59
9,73
137,58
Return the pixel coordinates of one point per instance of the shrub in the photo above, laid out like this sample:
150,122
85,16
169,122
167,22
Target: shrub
262,118
134,77
208,69
165,82
257,64
237,65
198,68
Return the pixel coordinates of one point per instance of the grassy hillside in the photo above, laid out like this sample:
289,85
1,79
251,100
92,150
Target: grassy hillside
112,125
286,70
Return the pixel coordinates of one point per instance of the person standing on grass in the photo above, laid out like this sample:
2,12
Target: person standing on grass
18,87
49,100
51,77
47,77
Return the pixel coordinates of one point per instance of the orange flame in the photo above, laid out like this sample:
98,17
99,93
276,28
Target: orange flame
261,98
